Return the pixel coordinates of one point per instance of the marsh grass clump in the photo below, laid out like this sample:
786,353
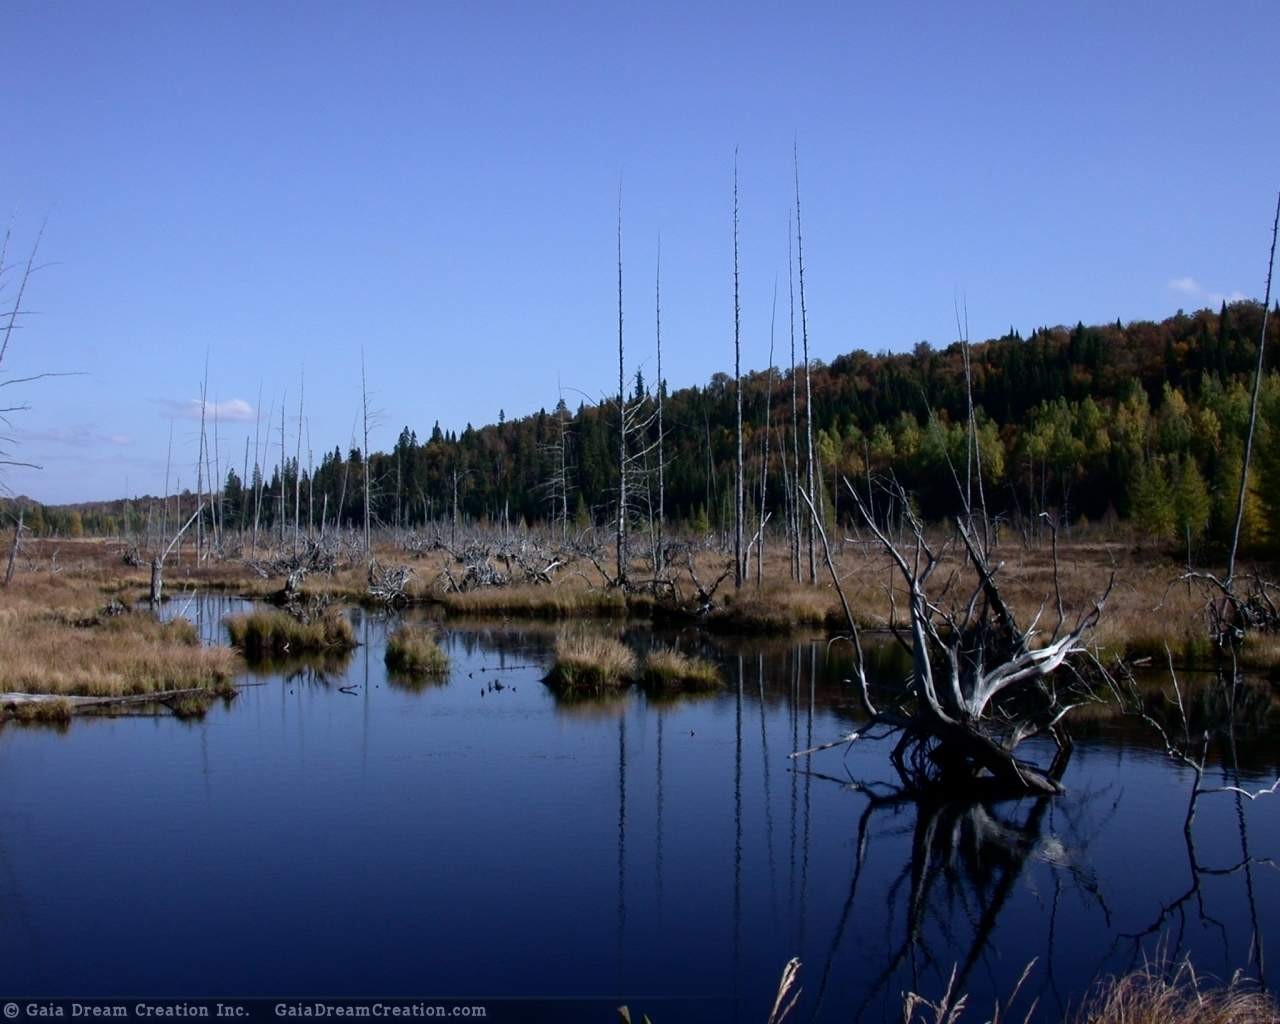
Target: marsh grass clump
269,633
195,706
591,665
1153,996
413,652
670,671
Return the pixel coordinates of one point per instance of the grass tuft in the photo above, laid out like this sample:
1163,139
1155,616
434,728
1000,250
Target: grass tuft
588,664
668,671
269,633
1152,996
414,652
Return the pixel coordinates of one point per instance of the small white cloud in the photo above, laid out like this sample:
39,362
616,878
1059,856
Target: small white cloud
1189,286
234,409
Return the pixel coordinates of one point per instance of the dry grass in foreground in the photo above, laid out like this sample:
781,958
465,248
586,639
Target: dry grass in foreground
59,636
270,633
414,652
590,665
1150,996
669,671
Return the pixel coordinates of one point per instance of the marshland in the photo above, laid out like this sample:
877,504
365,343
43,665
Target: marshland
479,520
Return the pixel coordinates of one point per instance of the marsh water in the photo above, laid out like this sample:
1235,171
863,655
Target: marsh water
335,832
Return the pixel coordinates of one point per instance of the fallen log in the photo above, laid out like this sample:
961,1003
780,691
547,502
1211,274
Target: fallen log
9,702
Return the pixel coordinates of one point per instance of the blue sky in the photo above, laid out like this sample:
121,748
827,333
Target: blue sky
283,184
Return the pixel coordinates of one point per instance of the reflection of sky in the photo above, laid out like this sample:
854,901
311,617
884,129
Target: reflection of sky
463,839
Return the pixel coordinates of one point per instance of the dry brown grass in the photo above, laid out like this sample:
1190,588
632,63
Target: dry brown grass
270,633
1152,996
413,651
587,664
1145,612
671,671
565,601
56,638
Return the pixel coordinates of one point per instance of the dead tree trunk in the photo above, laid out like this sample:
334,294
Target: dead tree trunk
297,467
808,385
978,687
364,410
13,549
738,482
157,561
764,465
662,469
622,557
1253,405
795,421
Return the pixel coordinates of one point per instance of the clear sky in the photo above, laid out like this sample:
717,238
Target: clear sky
282,184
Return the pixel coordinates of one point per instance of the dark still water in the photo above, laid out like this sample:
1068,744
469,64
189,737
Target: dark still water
459,840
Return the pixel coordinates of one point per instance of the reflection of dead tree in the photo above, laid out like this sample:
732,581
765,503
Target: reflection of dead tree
1188,732
1189,748
964,853
979,688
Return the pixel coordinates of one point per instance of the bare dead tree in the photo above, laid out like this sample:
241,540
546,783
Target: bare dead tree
622,555
662,468
764,466
297,465
168,463
1253,403
13,548
980,684
158,558
364,412
204,385
739,570
282,513
8,325
259,458
216,512
808,385
795,417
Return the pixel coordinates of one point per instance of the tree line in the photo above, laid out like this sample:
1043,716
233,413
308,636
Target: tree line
1143,422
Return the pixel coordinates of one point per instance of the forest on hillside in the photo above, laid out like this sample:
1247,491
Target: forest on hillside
1143,422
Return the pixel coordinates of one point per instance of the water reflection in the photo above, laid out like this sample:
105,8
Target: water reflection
505,842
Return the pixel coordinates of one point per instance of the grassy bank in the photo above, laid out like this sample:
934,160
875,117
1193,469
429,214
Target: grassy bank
65,636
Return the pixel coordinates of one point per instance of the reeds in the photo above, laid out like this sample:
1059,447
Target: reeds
591,665
669,671
269,633
412,651
1155,996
